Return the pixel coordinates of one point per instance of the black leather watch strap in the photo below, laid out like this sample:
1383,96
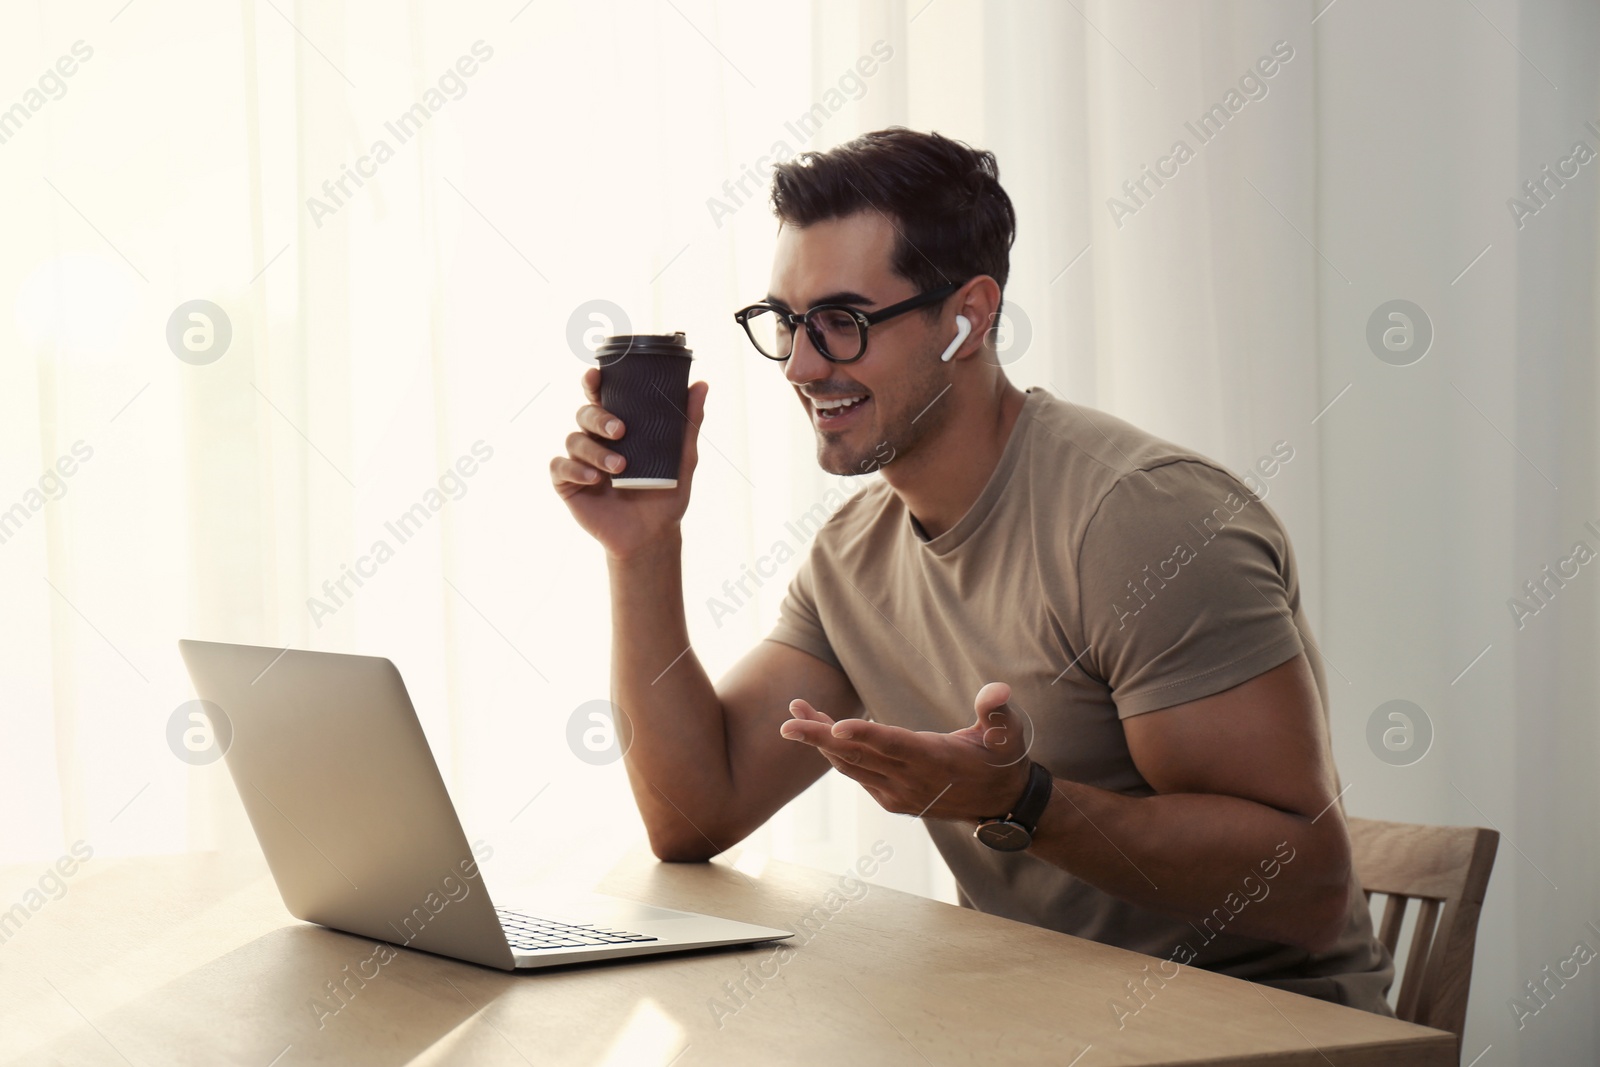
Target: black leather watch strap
1030,806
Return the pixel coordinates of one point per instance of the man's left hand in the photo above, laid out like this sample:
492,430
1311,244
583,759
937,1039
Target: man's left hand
972,774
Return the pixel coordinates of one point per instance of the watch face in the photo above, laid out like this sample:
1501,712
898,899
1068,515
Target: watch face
1004,836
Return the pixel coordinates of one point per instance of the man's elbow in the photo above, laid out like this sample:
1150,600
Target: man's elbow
682,852
1327,916
672,846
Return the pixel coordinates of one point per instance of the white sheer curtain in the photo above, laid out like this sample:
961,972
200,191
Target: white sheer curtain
614,151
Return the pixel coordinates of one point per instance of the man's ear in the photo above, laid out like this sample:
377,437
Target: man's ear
979,301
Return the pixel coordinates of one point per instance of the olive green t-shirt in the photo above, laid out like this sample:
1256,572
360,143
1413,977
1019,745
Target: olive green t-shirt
1102,573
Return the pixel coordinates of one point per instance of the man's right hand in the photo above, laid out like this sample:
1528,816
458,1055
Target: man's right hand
707,764
624,521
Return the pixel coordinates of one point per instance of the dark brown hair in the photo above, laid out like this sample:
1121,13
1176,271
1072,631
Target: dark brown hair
952,219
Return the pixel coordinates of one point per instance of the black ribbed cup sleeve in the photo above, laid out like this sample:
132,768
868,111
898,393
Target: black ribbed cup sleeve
647,387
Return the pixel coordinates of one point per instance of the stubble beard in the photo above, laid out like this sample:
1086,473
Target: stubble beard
901,426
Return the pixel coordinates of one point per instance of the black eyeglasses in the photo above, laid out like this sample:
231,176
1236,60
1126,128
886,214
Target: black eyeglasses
837,331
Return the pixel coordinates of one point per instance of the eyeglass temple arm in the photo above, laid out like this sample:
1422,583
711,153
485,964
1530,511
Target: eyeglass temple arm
932,295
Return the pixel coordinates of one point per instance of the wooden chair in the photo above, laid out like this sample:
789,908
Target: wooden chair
1444,868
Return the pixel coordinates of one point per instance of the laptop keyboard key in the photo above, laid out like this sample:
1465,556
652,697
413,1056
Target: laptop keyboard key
533,934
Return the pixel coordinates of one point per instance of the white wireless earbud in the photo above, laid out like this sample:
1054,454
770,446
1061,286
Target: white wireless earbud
963,327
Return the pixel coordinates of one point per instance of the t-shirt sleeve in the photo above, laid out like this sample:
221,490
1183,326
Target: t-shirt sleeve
1183,587
799,623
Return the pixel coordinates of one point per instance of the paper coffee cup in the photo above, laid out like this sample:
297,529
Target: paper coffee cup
644,381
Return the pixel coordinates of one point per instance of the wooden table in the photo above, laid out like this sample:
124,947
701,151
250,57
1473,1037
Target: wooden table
192,959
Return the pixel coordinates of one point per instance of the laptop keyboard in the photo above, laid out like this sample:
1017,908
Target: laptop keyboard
530,933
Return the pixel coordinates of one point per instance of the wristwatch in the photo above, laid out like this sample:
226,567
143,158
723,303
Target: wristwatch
1014,832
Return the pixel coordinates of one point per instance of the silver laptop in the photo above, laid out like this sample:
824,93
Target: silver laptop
358,829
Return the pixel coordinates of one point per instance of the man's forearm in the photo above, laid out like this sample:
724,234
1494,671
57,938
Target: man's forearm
1224,863
676,752
1277,873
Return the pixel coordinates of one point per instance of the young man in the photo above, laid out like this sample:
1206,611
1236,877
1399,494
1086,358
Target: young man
1152,767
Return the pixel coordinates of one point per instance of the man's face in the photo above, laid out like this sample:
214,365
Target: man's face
898,381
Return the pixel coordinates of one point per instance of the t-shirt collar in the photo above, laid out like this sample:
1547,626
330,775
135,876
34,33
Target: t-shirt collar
981,507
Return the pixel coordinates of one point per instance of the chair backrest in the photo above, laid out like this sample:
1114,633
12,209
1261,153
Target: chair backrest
1446,869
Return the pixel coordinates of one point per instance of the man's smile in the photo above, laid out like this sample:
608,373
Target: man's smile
837,412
